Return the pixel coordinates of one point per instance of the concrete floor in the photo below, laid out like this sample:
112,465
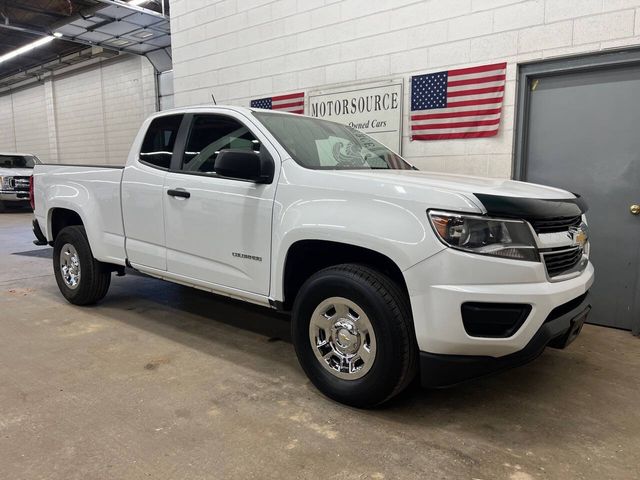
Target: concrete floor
161,381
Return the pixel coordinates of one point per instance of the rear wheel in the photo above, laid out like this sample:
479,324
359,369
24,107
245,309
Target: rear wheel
353,334
81,278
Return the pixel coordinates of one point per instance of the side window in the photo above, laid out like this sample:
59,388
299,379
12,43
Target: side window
157,146
209,135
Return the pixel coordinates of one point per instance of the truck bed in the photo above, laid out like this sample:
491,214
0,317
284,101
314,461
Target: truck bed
93,192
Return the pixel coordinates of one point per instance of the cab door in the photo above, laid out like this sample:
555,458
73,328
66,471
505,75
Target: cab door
142,194
218,229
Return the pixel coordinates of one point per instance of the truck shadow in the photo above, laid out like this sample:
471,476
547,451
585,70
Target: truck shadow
210,323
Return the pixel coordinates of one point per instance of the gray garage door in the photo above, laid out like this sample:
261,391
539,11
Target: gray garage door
583,134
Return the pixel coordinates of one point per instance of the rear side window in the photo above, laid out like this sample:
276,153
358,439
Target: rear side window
209,135
157,146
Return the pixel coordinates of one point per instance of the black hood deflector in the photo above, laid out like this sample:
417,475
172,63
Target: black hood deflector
532,208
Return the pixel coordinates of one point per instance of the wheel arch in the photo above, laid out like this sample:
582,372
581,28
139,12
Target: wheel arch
306,257
59,218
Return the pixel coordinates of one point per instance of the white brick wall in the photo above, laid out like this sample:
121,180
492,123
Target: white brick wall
240,49
89,116
7,132
128,96
29,122
80,118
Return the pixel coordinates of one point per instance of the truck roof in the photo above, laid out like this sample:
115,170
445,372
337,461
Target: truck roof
216,108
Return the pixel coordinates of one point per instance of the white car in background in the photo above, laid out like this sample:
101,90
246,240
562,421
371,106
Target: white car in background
16,170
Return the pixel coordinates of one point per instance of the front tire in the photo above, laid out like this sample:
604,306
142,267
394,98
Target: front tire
81,278
353,334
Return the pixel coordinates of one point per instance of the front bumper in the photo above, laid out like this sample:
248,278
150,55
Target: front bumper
11,196
439,286
561,327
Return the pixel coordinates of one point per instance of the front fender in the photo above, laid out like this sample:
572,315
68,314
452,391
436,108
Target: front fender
381,225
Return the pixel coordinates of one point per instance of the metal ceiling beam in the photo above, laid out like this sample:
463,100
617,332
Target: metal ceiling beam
37,74
118,3
23,28
41,11
97,11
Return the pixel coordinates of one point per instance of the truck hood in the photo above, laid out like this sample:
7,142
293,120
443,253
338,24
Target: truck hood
461,184
16,172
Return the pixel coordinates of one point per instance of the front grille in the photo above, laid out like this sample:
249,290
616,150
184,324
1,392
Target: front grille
560,261
555,224
20,184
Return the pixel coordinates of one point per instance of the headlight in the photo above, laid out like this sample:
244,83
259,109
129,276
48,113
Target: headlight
485,235
5,183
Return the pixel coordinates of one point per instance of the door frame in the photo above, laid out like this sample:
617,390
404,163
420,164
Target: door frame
547,68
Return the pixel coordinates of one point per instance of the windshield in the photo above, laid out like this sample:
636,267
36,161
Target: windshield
17,161
319,144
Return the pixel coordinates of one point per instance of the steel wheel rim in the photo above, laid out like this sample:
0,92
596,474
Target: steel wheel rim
342,338
70,266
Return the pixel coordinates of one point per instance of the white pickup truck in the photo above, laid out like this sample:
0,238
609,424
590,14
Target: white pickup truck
15,175
388,272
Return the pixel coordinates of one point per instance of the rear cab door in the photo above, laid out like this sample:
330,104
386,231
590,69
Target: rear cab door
142,193
220,236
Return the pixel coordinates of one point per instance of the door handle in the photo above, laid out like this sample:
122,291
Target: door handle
178,193
634,209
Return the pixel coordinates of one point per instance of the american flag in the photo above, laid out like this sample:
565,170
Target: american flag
464,103
293,102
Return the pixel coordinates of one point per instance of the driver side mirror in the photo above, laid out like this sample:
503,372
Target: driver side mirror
245,165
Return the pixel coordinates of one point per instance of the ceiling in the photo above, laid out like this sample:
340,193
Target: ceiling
109,24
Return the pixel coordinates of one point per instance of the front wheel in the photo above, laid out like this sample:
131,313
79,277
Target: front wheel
81,278
353,334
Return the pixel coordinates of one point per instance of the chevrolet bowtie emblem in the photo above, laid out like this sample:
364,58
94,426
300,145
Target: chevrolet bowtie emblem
578,235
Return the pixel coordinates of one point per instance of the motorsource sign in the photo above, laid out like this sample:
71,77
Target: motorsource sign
374,108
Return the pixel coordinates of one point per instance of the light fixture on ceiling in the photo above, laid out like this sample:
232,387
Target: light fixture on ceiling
143,34
119,42
135,3
27,48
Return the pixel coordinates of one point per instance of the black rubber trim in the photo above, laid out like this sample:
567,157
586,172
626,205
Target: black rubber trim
277,305
437,370
181,142
566,307
532,208
41,240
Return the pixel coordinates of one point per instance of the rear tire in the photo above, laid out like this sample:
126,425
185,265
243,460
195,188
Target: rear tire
81,278
353,334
